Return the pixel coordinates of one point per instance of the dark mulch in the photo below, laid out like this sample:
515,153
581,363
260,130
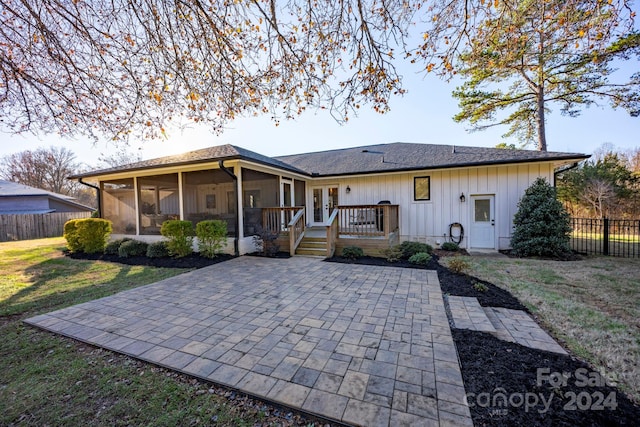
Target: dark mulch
191,261
462,285
279,254
382,262
492,368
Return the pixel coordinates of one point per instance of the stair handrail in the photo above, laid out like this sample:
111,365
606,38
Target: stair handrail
296,231
332,232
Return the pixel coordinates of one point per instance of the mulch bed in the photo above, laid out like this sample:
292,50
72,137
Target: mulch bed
505,387
190,261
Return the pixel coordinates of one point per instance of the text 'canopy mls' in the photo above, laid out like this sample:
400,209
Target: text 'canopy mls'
120,67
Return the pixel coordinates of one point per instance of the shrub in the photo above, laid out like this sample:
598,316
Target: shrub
480,287
352,252
132,248
450,246
212,237
157,250
542,226
112,247
87,235
421,258
179,236
71,235
393,254
409,249
458,265
266,242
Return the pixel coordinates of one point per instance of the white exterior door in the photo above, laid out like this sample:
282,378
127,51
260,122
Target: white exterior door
482,234
323,201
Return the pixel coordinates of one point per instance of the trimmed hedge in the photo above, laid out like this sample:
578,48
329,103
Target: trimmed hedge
179,236
132,248
421,258
89,235
450,246
113,246
212,236
411,248
352,252
157,250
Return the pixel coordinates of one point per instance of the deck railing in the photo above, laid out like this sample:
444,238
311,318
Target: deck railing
296,230
368,220
276,220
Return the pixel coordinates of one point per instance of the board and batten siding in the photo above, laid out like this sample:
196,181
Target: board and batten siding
429,220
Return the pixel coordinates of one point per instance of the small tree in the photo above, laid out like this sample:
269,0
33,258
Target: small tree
541,225
212,236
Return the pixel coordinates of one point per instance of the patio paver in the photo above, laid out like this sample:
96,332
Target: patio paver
506,324
362,345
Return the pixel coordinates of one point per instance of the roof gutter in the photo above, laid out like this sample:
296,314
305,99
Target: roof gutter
98,195
563,170
236,218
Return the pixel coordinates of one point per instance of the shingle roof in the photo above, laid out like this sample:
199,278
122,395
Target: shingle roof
219,152
14,189
400,156
397,156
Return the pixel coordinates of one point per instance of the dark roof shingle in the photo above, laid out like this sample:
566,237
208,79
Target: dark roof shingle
218,152
397,156
400,156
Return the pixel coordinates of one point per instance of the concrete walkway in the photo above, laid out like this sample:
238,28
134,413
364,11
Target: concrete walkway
506,324
361,345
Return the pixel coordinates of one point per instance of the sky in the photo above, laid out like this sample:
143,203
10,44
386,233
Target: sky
423,115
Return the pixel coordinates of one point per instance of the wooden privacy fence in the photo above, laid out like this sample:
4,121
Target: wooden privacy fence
615,237
35,226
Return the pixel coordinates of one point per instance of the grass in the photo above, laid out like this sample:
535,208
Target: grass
50,380
592,305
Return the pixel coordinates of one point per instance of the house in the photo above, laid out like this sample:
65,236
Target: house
370,196
21,199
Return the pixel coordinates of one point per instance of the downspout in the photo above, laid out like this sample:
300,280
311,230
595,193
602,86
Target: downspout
98,194
237,222
563,170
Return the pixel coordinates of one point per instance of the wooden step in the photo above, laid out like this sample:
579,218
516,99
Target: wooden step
316,246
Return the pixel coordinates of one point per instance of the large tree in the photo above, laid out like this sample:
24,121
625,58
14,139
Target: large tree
44,168
534,53
601,187
118,67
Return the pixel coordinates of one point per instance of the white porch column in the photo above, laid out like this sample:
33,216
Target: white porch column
240,231
137,203
180,196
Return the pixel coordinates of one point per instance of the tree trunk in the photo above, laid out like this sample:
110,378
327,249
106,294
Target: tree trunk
542,136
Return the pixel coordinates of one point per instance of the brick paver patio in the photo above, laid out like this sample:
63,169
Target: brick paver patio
358,344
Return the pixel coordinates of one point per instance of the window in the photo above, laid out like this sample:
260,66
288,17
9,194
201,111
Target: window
422,188
252,199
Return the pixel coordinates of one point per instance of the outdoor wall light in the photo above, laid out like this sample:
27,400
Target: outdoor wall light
462,198
348,189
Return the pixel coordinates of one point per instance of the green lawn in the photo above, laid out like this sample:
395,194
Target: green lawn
49,380
592,305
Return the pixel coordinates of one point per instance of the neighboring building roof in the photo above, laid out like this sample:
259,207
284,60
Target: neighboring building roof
211,154
14,189
398,156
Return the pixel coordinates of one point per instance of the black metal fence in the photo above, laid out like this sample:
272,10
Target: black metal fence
615,237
